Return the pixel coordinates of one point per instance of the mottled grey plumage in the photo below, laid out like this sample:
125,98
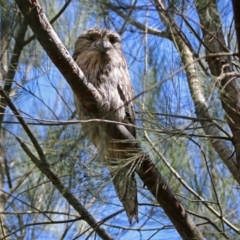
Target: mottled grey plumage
98,53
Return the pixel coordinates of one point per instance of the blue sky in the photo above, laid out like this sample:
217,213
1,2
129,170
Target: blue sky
51,89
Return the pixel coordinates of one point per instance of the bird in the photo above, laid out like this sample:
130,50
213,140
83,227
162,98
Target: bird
99,54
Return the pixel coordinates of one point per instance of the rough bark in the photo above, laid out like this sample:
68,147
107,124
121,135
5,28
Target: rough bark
3,197
159,188
197,93
43,165
89,96
228,89
236,7
13,65
3,72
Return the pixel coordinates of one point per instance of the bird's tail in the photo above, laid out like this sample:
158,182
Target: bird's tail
126,189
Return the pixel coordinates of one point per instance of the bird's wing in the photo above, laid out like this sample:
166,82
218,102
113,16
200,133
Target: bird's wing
126,93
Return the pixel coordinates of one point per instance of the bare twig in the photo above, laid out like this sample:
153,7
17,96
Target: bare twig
13,64
207,204
44,167
51,21
137,24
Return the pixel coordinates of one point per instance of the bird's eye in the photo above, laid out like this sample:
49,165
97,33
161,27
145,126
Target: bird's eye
113,40
91,38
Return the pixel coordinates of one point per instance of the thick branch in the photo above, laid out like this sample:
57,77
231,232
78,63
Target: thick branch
156,184
51,43
236,7
4,41
85,215
88,95
188,59
17,50
13,65
228,87
44,167
52,21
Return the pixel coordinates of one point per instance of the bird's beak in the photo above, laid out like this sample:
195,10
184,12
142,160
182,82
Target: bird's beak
103,46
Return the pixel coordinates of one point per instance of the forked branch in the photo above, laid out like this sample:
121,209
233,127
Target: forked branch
88,95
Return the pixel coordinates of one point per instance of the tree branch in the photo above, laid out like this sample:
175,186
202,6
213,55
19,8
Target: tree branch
51,21
88,95
13,64
228,87
44,167
236,7
17,50
135,23
51,43
197,92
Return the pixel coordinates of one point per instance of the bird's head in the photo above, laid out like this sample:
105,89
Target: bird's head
97,41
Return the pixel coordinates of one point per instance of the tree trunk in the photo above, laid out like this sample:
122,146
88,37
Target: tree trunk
220,66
